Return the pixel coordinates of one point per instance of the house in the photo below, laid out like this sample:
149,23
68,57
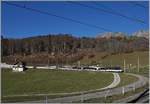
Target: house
19,67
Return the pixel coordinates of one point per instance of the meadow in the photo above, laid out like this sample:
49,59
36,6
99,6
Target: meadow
33,82
52,81
37,81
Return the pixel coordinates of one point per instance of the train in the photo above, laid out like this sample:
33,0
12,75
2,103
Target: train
96,68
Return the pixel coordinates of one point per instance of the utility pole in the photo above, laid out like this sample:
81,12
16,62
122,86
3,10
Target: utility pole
48,51
138,64
124,65
79,64
48,60
110,63
64,46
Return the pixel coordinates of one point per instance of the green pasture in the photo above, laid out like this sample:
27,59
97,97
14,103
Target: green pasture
52,81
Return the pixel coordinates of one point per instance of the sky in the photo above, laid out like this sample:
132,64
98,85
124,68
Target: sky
20,23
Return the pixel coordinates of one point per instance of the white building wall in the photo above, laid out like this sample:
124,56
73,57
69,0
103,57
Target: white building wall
17,69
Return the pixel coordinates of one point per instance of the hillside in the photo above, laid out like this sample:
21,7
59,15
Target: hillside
118,59
66,49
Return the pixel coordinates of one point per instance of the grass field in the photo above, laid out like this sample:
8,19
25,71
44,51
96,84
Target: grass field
113,60
118,59
52,81
144,71
126,79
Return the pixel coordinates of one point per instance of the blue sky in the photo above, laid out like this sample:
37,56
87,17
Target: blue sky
19,22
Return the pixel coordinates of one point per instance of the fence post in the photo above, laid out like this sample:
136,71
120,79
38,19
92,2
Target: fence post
82,99
134,87
123,90
143,83
46,100
106,94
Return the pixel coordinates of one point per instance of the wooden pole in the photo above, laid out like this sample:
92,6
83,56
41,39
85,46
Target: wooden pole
138,64
79,64
110,63
124,65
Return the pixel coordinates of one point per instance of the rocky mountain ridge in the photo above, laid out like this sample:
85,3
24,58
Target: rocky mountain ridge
109,35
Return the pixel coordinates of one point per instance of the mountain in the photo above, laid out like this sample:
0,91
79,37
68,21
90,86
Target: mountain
120,34
109,35
141,33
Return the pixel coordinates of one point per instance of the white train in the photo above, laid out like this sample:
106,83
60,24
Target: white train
96,68
111,69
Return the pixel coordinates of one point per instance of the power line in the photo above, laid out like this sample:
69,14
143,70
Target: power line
137,4
141,5
109,11
119,13
58,16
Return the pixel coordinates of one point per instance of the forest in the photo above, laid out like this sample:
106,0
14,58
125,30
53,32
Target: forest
65,48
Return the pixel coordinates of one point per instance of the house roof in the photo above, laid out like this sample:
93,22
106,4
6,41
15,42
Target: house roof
19,63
